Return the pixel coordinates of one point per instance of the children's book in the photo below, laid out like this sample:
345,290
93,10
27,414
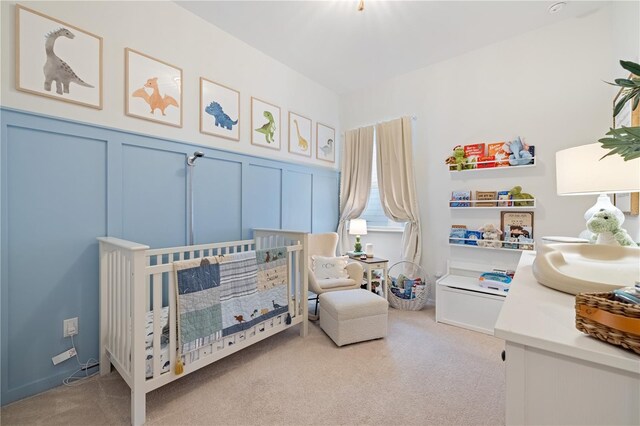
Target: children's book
458,199
472,237
473,153
457,234
504,195
485,195
501,156
486,161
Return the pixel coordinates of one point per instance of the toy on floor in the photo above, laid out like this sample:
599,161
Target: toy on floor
606,228
516,194
519,152
490,236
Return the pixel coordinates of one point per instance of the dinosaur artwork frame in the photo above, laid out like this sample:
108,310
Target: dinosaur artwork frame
153,89
266,124
325,143
300,134
219,105
72,73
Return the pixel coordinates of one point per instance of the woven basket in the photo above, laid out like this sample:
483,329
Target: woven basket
410,270
598,315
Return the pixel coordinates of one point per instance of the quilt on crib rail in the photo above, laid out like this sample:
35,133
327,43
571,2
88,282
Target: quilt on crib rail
222,295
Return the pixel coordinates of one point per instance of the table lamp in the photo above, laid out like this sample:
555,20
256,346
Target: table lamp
578,268
581,170
358,227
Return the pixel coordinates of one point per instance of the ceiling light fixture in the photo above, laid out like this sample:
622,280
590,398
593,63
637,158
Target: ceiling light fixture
557,7
360,5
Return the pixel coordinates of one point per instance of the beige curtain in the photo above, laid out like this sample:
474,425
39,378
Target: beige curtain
397,184
355,179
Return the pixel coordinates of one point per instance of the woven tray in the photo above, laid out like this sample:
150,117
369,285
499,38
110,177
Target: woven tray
598,315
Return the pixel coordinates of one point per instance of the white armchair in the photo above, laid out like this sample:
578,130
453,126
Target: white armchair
325,245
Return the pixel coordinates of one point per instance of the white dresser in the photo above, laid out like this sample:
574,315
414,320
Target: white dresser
556,374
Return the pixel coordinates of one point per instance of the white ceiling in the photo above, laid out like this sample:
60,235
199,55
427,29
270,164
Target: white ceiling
344,50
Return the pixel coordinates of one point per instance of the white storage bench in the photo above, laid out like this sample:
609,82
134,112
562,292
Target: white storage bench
350,316
460,300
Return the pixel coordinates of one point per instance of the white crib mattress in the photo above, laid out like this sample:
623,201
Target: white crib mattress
164,344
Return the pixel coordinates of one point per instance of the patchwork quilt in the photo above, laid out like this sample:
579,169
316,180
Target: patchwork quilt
222,295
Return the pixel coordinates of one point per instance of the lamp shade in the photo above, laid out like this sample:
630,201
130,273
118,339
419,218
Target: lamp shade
580,170
358,227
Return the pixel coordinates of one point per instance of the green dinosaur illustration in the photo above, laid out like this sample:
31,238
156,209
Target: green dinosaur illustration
268,128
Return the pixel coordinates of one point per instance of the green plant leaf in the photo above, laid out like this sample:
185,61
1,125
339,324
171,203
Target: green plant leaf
623,82
632,67
636,101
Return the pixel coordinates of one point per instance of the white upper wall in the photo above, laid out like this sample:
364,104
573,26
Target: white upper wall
546,86
172,34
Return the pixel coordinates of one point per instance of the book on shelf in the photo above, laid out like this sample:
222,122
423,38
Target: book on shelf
504,195
460,199
472,237
457,234
486,161
500,155
485,195
473,153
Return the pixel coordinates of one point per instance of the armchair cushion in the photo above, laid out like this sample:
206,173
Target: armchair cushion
331,283
329,267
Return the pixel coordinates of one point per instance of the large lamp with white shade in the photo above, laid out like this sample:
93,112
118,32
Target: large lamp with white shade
577,268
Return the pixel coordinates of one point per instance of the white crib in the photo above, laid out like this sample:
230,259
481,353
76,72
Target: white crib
132,280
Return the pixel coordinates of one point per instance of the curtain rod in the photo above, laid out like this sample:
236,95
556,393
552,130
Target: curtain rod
413,118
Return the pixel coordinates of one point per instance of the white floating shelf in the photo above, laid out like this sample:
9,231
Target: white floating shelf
491,248
491,168
512,207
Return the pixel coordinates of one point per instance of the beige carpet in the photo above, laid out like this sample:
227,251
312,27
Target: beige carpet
423,373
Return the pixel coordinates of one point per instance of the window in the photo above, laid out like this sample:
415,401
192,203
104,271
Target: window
373,213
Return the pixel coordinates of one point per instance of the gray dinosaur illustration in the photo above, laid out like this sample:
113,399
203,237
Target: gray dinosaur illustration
55,69
326,150
222,119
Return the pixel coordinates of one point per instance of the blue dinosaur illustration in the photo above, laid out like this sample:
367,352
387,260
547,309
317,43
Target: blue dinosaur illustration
222,119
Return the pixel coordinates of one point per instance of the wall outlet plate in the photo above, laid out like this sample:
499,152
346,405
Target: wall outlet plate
70,327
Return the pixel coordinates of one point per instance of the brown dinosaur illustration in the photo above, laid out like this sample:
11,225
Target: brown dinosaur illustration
155,100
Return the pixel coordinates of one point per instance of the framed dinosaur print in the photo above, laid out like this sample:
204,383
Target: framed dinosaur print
153,89
325,143
219,110
299,134
57,60
265,124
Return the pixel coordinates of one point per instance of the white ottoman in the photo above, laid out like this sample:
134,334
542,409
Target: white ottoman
350,316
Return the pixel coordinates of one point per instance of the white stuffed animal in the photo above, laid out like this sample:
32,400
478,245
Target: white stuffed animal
490,236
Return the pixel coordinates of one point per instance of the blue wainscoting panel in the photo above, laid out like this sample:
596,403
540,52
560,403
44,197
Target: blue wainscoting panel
296,201
217,189
65,183
262,198
326,210
153,196
56,205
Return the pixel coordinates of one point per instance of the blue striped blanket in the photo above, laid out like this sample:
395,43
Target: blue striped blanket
222,295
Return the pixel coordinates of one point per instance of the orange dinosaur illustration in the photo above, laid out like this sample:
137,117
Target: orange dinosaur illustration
155,100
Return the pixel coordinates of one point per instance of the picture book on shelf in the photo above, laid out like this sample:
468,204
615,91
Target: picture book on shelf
504,195
486,161
458,199
485,195
472,237
500,155
457,234
473,153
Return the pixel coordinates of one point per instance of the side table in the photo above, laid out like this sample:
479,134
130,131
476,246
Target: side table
373,263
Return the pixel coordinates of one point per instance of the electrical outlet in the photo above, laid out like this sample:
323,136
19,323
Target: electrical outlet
70,327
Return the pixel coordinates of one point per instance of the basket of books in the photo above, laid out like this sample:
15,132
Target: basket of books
608,317
409,290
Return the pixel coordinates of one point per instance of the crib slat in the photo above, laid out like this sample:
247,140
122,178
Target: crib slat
110,307
121,314
173,322
157,324
128,313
